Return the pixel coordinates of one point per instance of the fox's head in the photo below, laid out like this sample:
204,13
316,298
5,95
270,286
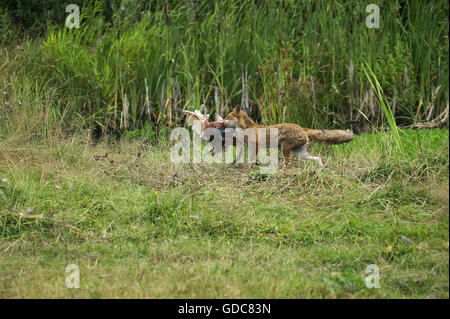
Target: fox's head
238,118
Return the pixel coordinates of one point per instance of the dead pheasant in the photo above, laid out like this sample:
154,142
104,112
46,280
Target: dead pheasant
203,123
199,123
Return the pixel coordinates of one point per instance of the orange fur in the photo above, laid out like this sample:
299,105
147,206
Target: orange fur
291,137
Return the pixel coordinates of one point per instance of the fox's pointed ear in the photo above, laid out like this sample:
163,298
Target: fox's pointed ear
237,109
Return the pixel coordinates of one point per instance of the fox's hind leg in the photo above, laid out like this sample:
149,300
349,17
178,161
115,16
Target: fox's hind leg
302,152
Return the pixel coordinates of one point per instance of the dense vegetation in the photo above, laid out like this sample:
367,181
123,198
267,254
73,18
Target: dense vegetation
136,64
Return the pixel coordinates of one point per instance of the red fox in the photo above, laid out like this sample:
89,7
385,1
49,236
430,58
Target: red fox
291,137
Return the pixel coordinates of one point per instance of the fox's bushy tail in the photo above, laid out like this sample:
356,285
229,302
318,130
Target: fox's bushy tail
330,136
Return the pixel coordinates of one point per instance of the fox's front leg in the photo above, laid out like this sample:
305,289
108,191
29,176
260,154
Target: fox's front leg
286,153
239,155
252,142
252,157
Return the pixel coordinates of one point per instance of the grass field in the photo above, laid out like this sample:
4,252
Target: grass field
222,231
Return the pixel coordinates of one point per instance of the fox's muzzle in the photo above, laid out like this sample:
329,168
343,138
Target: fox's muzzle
230,123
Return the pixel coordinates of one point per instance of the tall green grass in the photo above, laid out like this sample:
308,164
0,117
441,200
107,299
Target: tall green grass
299,61
387,110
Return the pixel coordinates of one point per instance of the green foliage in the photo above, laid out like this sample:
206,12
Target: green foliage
34,15
135,62
6,30
387,110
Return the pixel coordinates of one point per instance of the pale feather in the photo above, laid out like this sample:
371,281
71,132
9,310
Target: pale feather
196,121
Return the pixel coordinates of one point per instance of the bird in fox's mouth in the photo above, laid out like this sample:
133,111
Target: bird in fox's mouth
229,123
